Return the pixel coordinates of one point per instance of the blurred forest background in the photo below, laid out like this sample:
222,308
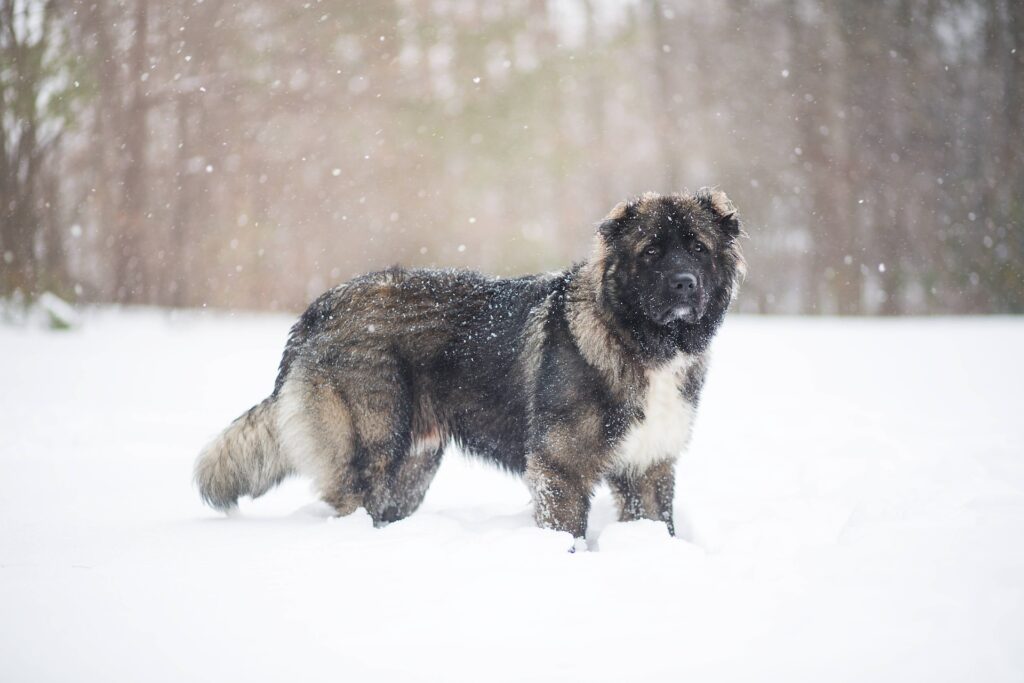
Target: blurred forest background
253,153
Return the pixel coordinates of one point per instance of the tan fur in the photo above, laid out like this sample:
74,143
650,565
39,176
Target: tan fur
618,212
722,203
316,430
594,337
245,459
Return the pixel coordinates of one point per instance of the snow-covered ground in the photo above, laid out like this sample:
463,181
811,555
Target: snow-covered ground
852,509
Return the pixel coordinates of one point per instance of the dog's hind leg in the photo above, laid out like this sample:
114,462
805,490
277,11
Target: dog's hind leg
317,432
352,433
379,397
412,476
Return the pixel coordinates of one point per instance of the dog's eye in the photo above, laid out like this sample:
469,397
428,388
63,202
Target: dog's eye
651,251
697,246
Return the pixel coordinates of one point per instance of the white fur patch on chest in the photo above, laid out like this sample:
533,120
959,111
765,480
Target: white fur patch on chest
665,428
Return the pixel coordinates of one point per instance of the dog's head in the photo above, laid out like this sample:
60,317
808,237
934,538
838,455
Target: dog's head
674,259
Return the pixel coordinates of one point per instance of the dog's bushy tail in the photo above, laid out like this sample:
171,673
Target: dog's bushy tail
244,460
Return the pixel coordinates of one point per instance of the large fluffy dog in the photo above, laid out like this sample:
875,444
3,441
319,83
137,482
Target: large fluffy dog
571,378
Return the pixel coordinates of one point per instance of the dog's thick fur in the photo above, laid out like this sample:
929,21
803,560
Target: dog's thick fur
572,378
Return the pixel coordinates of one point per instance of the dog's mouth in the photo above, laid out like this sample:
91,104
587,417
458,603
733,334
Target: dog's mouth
685,313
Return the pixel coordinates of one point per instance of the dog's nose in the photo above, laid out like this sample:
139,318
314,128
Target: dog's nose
683,281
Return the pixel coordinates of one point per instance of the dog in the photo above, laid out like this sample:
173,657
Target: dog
569,379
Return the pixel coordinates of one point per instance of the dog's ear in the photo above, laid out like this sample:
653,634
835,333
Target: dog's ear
617,220
725,212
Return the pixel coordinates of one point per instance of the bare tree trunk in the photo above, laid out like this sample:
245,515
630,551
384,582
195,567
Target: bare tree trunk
20,212
893,235
596,95
131,277
1012,269
1014,83
178,260
665,125
104,140
54,254
7,179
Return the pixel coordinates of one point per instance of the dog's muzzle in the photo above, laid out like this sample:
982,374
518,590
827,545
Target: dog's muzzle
684,297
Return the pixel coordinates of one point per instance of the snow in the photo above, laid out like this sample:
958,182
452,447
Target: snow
60,314
852,507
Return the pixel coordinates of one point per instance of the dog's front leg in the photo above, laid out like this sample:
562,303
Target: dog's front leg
561,496
646,495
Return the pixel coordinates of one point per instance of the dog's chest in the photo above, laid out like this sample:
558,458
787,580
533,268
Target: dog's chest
664,429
